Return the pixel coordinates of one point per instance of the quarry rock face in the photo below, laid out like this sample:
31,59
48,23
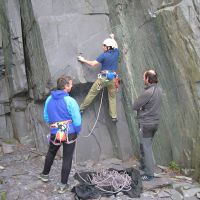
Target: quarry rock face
40,41
165,36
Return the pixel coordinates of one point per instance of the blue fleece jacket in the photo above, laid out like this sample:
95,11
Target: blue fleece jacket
59,106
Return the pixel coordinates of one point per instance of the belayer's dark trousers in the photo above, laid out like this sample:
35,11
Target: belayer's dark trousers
68,150
146,134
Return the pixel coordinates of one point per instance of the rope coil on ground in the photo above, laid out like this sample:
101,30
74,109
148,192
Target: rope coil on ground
111,178
107,178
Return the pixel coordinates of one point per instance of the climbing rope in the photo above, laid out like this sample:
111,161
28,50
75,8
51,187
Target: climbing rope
108,178
104,178
97,115
75,155
118,181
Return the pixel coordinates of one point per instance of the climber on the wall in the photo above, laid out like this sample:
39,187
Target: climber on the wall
107,77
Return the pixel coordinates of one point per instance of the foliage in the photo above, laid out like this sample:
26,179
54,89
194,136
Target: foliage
8,141
3,195
174,166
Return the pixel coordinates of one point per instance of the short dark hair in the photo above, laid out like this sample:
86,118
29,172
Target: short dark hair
62,81
151,75
110,48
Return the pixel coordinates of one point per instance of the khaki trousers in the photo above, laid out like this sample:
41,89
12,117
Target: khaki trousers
94,91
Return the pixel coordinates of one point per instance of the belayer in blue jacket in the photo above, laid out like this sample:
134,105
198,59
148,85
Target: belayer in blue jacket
62,113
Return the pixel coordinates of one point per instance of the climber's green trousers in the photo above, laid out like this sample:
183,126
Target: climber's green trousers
95,89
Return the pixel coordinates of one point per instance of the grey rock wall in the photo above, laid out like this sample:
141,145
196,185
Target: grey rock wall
165,36
13,48
40,41
44,40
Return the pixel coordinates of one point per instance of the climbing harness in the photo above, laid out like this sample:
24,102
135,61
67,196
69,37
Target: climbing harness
110,75
62,132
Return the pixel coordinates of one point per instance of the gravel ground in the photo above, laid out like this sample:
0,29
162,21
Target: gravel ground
19,178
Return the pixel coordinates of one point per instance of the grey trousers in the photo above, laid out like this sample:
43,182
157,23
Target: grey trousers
146,134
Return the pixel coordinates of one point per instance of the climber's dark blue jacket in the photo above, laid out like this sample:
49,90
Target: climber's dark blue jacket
109,60
59,106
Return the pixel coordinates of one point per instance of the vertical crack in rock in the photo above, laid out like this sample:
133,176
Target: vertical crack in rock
36,62
171,4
